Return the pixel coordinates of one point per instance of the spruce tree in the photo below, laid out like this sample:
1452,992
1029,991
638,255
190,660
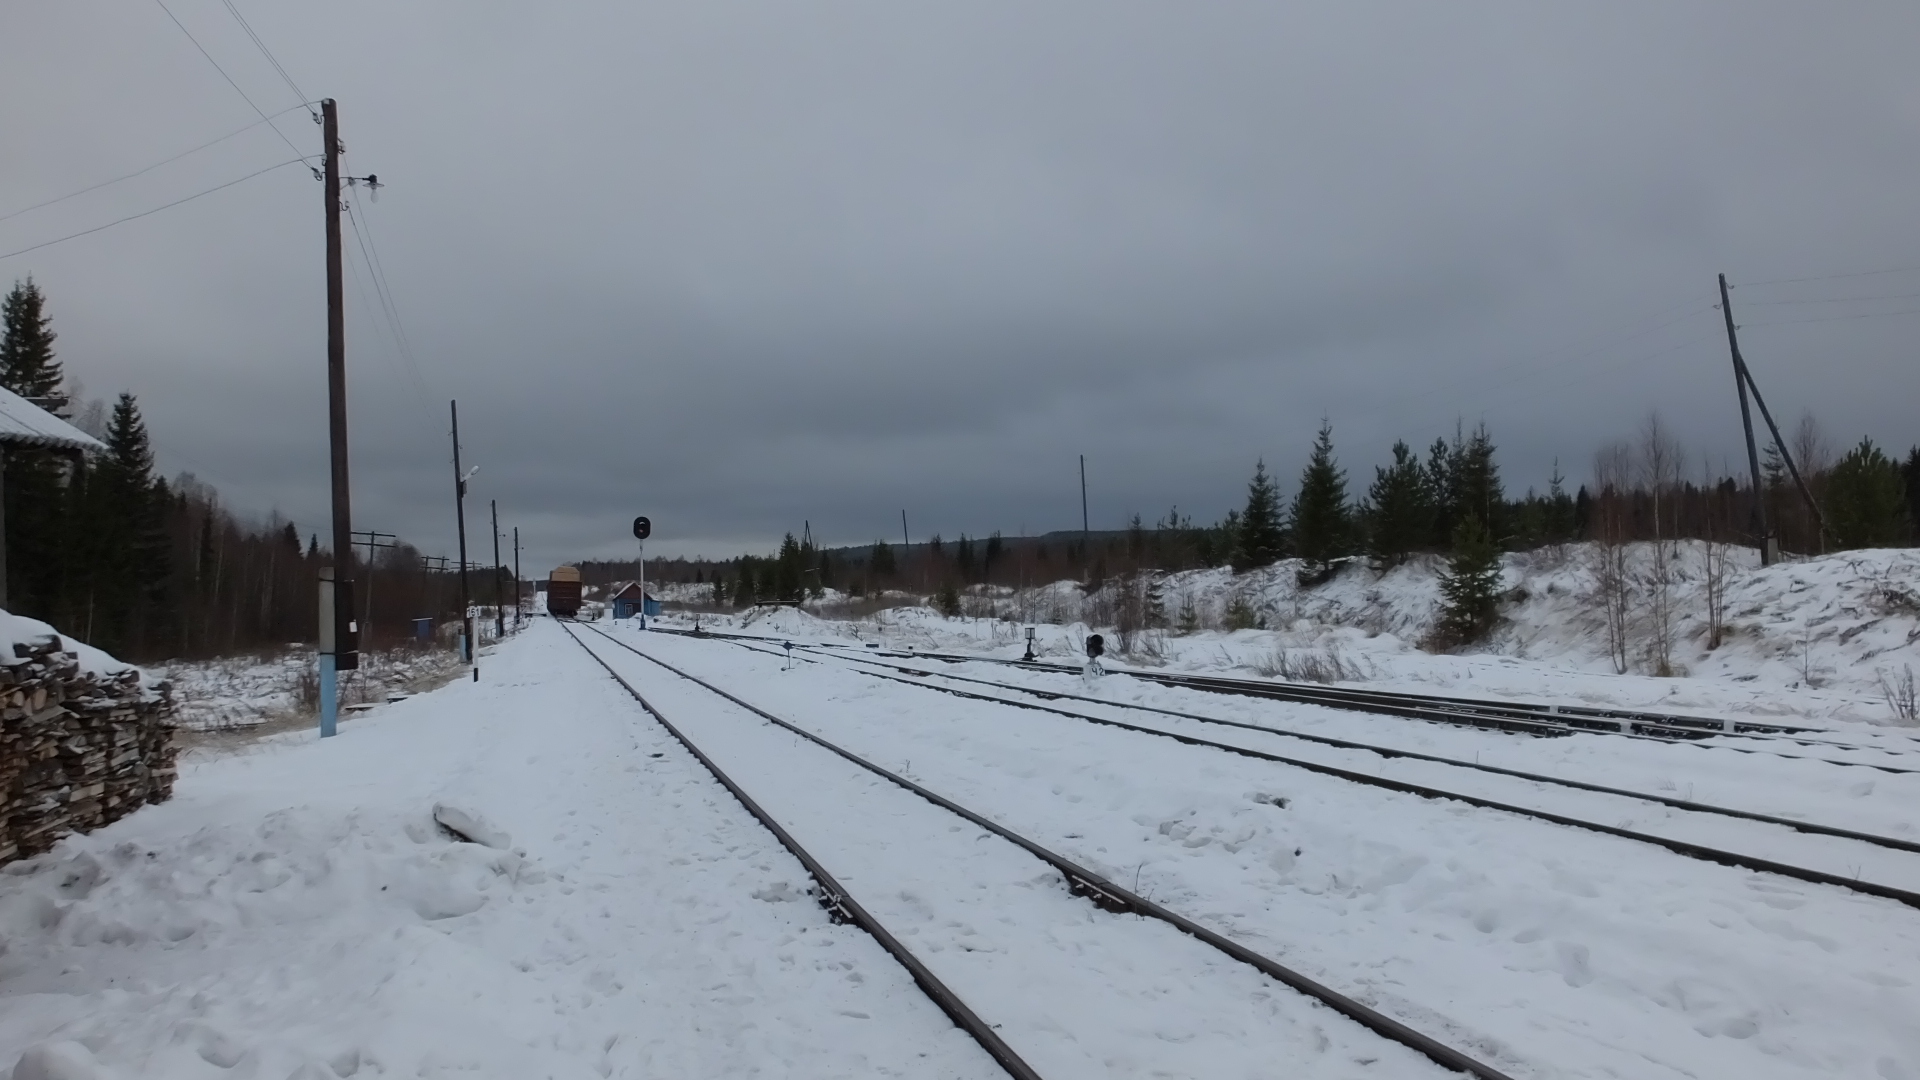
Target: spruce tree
27,364
39,556
1910,475
1560,508
1257,538
1401,516
1470,586
1322,521
1866,500
947,601
1476,484
1439,482
133,575
1189,619
881,562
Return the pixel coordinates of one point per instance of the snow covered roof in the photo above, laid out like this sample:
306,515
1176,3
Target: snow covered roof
26,424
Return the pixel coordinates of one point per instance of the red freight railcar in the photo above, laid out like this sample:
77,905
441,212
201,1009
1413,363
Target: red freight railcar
563,591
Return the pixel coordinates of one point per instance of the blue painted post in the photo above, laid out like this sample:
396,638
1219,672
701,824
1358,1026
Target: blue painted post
329,673
329,697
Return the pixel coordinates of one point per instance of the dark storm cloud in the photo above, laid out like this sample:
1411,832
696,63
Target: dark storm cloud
743,265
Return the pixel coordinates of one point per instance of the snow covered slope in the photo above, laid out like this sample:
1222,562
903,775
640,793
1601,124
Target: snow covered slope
1810,638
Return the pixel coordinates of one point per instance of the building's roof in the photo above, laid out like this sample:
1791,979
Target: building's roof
619,590
22,423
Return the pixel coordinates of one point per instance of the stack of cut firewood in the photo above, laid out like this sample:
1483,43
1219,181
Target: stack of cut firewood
78,749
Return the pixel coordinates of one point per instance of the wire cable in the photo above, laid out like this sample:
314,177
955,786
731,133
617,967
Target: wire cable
148,169
155,210
388,310
1835,318
266,52
381,281
1830,277
229,78
1834,300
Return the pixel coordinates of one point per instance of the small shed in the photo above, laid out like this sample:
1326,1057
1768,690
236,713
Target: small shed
627,600
25,425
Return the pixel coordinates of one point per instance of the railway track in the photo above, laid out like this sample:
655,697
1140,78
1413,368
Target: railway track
1518,718
1689,849
1544,720
1080,882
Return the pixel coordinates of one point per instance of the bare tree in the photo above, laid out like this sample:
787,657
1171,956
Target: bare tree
1660,460
1612,476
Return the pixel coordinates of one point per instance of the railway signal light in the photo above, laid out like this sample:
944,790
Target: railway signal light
642,528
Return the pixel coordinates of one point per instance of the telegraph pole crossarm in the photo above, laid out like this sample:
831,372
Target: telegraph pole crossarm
373,546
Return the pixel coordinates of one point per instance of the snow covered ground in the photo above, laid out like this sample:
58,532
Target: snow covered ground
242,692
1809,638
296,911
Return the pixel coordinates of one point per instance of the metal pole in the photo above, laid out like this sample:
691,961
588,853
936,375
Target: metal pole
1769,547
643,584
499,602
472,656
346,643
516,577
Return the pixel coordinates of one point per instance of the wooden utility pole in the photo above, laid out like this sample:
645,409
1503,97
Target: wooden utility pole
516,577
346,656
460,516
1086,535
1769,548
1771,552
499,605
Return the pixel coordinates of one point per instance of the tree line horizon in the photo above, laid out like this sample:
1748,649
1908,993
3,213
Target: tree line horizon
113,554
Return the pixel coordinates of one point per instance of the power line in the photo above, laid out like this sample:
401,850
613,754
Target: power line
229,78
148,169
382,283
266,52
391,315
1831,277
155,210
1835,300
1836,318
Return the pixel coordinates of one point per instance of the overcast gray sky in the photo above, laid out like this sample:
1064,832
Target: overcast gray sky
742,264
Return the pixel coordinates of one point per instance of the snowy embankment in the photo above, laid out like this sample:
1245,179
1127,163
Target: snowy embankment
296,912
1812,638
240,692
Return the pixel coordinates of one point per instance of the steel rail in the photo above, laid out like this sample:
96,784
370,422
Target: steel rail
1809,827
840,905
1382,702
1518,718
1679,847
1116,898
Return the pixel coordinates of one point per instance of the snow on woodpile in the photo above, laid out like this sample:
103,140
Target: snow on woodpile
84,739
